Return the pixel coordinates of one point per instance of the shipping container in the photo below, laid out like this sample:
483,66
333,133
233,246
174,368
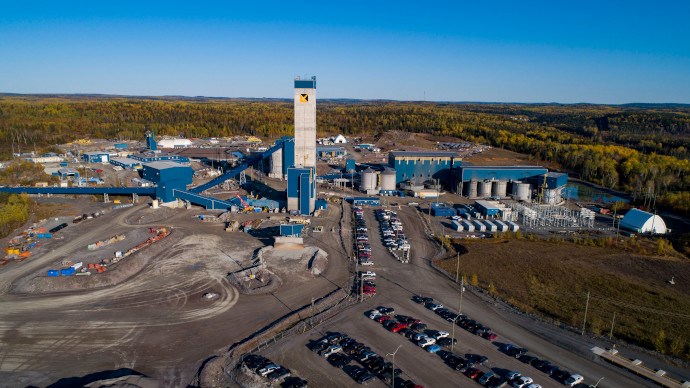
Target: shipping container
67,271
53,272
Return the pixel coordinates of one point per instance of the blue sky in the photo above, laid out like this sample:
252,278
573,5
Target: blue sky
598,51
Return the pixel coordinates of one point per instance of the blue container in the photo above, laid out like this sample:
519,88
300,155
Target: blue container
53,272
67,271
291,230
63,164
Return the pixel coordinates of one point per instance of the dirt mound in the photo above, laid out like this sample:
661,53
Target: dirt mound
150,216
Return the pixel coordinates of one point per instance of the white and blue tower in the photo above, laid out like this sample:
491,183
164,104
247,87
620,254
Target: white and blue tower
301,182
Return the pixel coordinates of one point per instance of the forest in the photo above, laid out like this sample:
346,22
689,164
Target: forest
644,150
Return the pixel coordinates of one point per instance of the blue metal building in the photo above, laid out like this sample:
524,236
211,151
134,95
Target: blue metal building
442,210
350,165
370,201
421,166
552,179
509,173
301,188
487,208
151,141
121,146
330,152
288,150
168,176
95,157
126,163
65,173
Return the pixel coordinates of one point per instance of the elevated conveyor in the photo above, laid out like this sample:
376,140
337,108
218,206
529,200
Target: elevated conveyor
233,172
202,200
150,191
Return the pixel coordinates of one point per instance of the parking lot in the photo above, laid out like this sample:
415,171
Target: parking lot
397,283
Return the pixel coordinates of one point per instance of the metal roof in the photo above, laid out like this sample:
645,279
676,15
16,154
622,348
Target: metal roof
162,165
437,154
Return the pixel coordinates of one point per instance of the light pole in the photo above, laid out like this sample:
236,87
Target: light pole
393,365
595,385
453,322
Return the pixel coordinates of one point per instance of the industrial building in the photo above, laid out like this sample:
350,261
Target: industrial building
418,167
127,163
65,173
96,157
517,182
151,141
327,152
168,177
174,143
301,183
149,157
640,221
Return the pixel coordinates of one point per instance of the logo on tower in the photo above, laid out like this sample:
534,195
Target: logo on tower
303,98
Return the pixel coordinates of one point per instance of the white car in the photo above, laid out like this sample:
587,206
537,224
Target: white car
534,386
268,369
574,379
331,350
426,341
373,314
366,263
417,337
441,334
512,375
435,306
367,274
522,382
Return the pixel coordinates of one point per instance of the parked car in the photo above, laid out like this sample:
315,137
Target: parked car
491,336
512,375
419,326
266,369
476,358
426,341
445,341
486,377
527,359
374,314
433,306
339,360
386,310
473,373
330,350
383,318
522,382
279,374
573,380
433,348
440,334
294,382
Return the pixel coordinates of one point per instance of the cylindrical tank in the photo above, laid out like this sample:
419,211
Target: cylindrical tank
470,189
484,189
154,204
388,179
368,179
521,191
499,189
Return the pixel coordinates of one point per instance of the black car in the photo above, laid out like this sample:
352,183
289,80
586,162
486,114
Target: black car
497,382
560,375
363,378
446,341
411,333
537,363
339,360
527,359
294,382
278,374
253,361
476,358
386,310
419,326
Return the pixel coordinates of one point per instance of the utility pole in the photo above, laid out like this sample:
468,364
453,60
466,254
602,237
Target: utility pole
312,312
613,320
454,321
584,321
393,365
457,269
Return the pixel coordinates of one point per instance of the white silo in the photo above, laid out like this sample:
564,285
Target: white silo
484,189
368,180
522,191
470,189
388,180
500,189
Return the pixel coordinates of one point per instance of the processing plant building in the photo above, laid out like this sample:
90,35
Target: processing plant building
418,167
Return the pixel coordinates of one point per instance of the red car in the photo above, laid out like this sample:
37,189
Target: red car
383,318
473,373
397,327
490,336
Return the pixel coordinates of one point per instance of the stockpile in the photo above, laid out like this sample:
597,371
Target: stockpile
19,247
107,242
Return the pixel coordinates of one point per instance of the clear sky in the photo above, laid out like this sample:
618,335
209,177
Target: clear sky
502,50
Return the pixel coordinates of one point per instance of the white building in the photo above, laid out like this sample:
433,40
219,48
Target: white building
340,139
643,222
174,143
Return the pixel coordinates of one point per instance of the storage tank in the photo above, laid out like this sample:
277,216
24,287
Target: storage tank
484,189
368,180
521,191
500,189
388,179
471,189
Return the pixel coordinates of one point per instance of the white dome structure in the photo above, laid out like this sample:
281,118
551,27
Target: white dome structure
174,143
640,221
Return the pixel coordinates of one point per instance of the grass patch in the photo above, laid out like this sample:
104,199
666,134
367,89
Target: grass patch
552,278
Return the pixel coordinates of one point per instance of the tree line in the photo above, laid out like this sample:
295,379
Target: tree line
640,150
